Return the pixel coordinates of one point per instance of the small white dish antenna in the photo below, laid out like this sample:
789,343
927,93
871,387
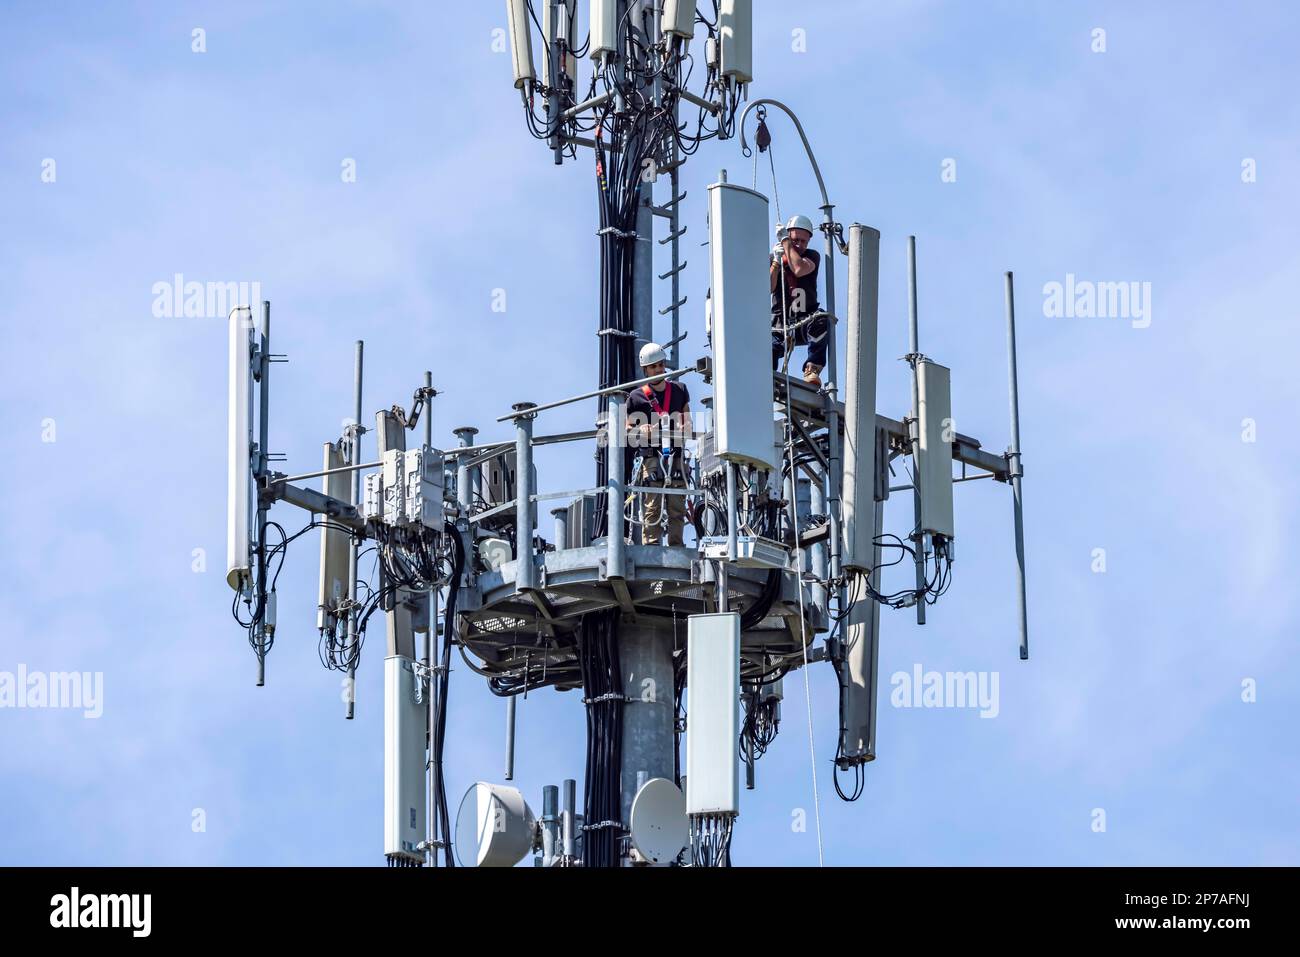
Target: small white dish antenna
660,828
494,826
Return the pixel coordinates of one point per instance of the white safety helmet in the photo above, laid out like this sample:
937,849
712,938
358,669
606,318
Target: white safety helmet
651,353
799,222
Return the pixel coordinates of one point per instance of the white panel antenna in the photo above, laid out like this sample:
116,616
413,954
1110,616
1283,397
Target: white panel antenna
934,454
679,18
736,20
405,723
562,27
239,476
604,28
860,399
742,332
713,703
334,543
521,42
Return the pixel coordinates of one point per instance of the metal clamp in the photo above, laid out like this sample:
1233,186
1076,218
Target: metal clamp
611,696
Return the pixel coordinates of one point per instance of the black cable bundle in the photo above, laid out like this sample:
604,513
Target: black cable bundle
619,186
679,709
261,644
440,729
602,685
842,761
760,725
711,840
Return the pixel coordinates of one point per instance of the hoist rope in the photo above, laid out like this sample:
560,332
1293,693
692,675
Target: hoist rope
798,545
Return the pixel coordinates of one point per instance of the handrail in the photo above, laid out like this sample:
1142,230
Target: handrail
609,390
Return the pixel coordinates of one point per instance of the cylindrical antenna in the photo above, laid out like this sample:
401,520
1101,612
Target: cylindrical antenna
568,811
510,738
464,483
525,573
521,44
1013,465
561,516
913,331
550,823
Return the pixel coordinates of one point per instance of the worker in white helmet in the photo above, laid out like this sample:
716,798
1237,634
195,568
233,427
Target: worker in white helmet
658,424
796,316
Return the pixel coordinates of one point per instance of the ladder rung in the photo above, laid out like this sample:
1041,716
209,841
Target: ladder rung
674,307
667,208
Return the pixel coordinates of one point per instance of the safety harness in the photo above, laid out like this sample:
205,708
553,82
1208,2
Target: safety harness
668,462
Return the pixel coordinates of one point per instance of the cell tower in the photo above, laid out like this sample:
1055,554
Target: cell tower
786,493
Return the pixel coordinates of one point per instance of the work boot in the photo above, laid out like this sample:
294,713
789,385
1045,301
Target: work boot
810,375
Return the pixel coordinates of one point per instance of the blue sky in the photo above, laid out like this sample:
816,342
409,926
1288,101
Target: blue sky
1117,166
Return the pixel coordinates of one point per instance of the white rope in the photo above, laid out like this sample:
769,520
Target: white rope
798,546
776,193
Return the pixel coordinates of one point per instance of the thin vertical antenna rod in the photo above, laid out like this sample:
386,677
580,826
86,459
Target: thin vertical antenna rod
510,737
354,458
914,427
1013,465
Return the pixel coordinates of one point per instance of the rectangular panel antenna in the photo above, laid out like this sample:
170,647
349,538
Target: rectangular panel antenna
736,24
404,739
860,399
679,18
604,28
713,690
742,324
334,543
934,456
239,476
551,29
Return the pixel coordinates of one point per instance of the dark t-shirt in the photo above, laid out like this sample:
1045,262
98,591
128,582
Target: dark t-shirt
665,430
807,284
